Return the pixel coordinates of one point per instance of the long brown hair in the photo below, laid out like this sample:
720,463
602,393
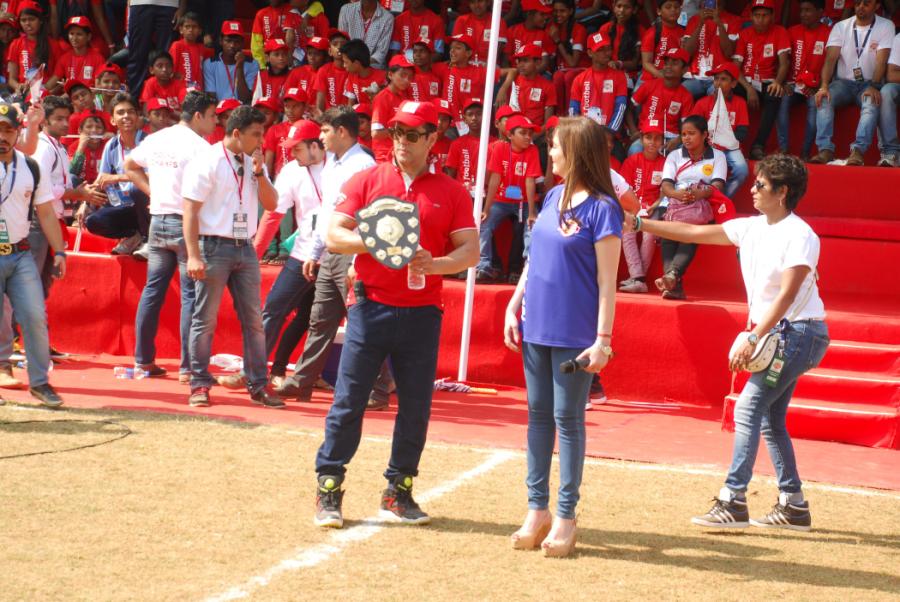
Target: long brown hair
582,142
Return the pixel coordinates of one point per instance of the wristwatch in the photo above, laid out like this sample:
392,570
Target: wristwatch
753,338
606,350
60,254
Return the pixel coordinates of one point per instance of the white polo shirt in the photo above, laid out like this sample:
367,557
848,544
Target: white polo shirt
681,171
211,179
163,155
16,191
54,162
300,187
871,38
894,58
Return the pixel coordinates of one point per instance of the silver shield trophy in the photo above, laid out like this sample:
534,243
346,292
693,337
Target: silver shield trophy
389,228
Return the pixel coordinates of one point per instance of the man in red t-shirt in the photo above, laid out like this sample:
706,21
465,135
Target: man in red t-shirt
330,78
394,316
709,37
665,100
600,92
385,103
529,93
763,52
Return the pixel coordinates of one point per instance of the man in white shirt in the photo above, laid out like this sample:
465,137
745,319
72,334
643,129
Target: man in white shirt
26,189
345,157
222,189
890,98
368,21
859,47
156,167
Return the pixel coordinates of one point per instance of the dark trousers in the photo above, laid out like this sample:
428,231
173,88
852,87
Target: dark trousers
288,292
121,221
292,334
770,106
149,27
410,337
677,256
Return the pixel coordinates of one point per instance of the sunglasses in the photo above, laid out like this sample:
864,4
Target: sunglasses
757,185
411,136
239,163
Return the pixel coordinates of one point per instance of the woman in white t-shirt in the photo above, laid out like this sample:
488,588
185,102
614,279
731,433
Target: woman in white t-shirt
689,176
778,255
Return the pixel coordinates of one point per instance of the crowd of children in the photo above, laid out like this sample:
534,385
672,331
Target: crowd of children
638,67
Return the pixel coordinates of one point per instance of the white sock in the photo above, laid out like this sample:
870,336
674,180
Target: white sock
727,495
785,498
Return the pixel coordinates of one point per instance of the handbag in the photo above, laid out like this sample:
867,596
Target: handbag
696,212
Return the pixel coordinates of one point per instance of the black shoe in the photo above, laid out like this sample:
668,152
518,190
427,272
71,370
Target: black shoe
267,397
199,397
290,388
378,400
152,370
787,516
398,505
485,277
58,355
725,515
329,497
46,395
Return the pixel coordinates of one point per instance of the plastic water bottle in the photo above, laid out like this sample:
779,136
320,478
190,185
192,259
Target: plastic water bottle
128,373
415,281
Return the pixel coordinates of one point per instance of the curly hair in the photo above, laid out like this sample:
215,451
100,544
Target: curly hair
788,171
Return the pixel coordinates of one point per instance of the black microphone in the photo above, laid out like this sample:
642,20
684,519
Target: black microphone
570,366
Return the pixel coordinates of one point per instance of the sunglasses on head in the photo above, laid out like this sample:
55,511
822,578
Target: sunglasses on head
410,135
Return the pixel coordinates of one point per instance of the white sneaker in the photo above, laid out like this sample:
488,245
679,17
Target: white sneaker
127,246
633,285
887,160
142,253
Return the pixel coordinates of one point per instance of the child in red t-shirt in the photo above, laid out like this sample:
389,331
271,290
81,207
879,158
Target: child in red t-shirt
600,92
189,52
414,23
363,81
625,32
304,76
385,103
533,31
271,81
462,159
22,54
808,41
80,62
529,93
268,24
276,156
460,79
763,52
159,115
223,112
660,38
709,37
477,25
437,156
643,172
364,112
515,170
162,84
426,85
665,100
86,150
330,78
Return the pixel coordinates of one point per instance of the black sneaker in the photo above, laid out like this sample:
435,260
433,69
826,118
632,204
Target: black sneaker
267,397
46,395
788,516
398,505
152,370
329,496
725,515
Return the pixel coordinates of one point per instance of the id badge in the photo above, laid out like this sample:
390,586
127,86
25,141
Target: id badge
858,74
240,230
773,373
4,232
757,85
513,193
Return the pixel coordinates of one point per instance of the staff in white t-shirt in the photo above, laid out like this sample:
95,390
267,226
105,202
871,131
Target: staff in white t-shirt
859,48
779,253
156,167
890,100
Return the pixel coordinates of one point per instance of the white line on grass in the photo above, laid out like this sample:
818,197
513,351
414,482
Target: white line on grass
304,558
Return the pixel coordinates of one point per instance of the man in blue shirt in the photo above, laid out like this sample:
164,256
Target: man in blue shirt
232,75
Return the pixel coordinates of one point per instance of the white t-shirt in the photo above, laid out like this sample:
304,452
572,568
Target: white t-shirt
881,37
894,58
766,252
682,172
163,155
54,162
300,187
16,191
211,179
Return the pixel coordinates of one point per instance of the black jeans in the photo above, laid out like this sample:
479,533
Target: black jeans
149,27
121,221
677,256
769,105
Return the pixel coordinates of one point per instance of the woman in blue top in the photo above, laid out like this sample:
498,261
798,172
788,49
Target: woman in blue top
568,293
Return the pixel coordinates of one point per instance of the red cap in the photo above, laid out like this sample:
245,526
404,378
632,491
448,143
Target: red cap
301,130
597,41
73,83
274,44
537,5
229,104
726,67
464,38
363,109
399,60
78,118
530,50
29,5
337,32
415,114
317,43
155,104
471,102
233,28
678,53
9,21
520,121
426,42
82,22
112,68
269,103
652,126
552,122
754,4
298,94
505,111
443,107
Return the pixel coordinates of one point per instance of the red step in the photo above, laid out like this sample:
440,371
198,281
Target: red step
870,357
850,387
856,424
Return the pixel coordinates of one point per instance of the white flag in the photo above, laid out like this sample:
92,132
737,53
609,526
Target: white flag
257,90
721,133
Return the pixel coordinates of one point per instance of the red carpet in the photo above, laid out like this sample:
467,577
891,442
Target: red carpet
658,433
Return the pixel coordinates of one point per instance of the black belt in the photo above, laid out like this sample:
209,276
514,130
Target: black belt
16,247
237,242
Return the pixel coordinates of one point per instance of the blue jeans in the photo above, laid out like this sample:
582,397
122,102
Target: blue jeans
21,282
783,122
167,252
887,122
232,265
698,87
498,212
39,247
410,337
555,402
845,92
737,171
761,409
286,295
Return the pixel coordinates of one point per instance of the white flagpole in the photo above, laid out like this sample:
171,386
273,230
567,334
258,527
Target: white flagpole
479,183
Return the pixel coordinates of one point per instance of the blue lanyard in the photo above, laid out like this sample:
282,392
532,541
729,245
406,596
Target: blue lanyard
4,198
859,50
